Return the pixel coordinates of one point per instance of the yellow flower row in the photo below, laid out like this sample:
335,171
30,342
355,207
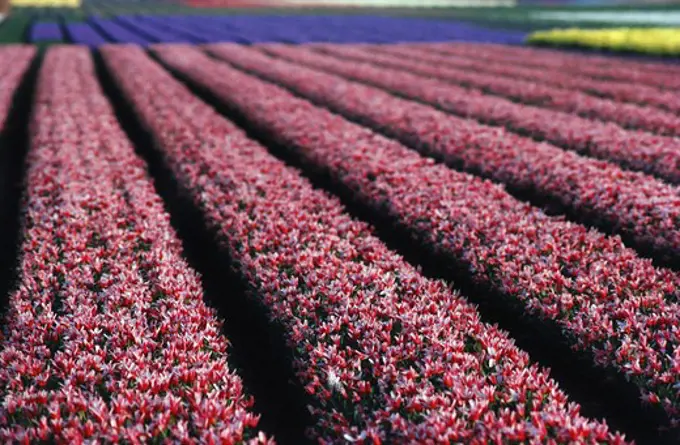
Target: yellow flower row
661,41
48,3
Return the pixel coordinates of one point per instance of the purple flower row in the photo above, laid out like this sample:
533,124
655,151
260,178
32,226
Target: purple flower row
84,34
107,338
144,29
309,28
116,32
45,32
608,301
598,191
608,68
386,355
11,75
635,150
627,115
620,92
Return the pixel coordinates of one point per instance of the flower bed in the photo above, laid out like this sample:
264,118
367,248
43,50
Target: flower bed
618,91
658,74
608,302
11,74
627,115
656,41
384,354
84,34
594,190
46,32
107,338
635,150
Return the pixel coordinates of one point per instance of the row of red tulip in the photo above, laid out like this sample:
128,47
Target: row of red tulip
607,68
385,354
516,161
12,73
545,96
620,92
635,150
608,301
107,337
568,57
596,190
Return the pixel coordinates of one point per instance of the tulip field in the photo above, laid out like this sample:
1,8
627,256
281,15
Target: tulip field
422,242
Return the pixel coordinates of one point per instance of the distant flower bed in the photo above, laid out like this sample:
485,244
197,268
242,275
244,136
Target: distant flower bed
148,29
48,3
656,41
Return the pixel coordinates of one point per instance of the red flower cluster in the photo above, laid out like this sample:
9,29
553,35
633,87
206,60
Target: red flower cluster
607,300
385,354
12,73
635,150
660,75
627,115
595,189
107,337
621,92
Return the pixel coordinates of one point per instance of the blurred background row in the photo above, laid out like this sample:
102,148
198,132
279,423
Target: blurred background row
647,27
